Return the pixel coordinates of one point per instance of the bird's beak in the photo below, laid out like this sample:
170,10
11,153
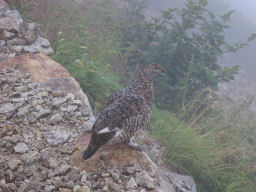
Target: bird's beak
163,73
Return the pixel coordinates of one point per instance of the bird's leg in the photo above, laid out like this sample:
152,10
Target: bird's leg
117,139
134,145
101,157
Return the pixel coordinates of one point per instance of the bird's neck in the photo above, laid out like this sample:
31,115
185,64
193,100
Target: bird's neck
144,82
144,87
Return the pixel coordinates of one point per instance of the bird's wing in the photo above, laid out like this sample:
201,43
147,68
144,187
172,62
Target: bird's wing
116,114
111,99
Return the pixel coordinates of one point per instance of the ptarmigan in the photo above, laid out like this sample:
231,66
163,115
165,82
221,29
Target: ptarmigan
125,112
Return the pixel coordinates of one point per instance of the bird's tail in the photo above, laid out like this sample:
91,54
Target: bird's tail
89,151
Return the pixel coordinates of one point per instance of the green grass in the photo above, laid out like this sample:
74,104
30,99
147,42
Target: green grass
90,68
215,150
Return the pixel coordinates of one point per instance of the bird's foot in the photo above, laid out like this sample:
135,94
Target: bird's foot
101,157
116,140
134,145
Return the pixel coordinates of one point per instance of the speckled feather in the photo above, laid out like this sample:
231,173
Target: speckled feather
125,111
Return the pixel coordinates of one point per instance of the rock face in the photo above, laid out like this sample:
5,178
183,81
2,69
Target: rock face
113,155
18,37
40,66
36,135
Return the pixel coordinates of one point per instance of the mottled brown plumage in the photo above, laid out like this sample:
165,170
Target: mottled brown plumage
125,112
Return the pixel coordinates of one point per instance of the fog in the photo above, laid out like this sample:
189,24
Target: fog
243,23
246,7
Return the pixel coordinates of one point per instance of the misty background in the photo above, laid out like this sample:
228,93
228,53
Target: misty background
242,24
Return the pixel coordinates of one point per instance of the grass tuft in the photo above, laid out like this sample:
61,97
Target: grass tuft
215,151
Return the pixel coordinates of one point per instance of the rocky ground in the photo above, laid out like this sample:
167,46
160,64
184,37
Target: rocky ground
18,37
39,128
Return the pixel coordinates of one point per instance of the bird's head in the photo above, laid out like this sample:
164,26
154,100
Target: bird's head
153,69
